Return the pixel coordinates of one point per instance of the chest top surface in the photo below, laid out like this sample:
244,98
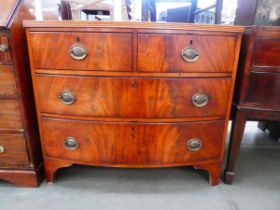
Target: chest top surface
131,25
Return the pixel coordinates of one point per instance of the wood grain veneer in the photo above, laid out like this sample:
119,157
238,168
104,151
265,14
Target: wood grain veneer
157,97
7,81
15,150
144,116
164,53
20,153
132,144
114,51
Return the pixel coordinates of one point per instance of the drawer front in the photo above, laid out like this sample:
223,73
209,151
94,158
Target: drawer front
12,150
10,116
163,53
104,51
7,81
132,144
132,97
263,91
267,52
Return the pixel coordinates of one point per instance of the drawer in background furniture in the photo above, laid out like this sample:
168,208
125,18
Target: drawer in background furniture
132,97
7,81
12,150
90,51
10,116
163,53
263,91
267,53
132,144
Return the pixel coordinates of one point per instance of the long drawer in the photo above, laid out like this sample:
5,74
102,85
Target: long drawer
267,53
185,53
10,115
133,97
7,81
263,91
132,144
12,150
82,51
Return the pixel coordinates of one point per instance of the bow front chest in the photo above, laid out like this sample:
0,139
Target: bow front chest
132,94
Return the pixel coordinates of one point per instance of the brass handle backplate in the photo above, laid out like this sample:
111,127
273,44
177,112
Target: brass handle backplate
2,149
4,47
67,97
194,144
78,52
70,143
200,99
190,55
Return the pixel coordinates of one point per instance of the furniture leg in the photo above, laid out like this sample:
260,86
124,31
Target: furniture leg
238,125
51,166
214,170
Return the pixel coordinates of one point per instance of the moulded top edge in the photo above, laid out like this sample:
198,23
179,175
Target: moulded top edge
131,25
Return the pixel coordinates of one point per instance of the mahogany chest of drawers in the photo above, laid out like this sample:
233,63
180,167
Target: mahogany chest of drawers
128,94
20,151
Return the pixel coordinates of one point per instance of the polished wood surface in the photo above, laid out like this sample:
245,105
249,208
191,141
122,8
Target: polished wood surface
113,51
267,52
165,53
257,93
10,114
157,97
266,95
134,118
59,25
132,144
7,81
14,146
21,161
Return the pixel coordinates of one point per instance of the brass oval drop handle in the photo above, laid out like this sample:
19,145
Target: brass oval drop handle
2,149
70,143
67,97
190,55
194,144
4,48
78,52
200,100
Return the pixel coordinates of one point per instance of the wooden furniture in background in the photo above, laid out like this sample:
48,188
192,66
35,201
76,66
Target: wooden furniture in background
246,12
180,14
257,95
127,94
257,12
20,153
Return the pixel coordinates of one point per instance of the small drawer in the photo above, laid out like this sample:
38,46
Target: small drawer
82,51
12,150
267,53
133,97
10,115
7,81
185,53
263,91
132,144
